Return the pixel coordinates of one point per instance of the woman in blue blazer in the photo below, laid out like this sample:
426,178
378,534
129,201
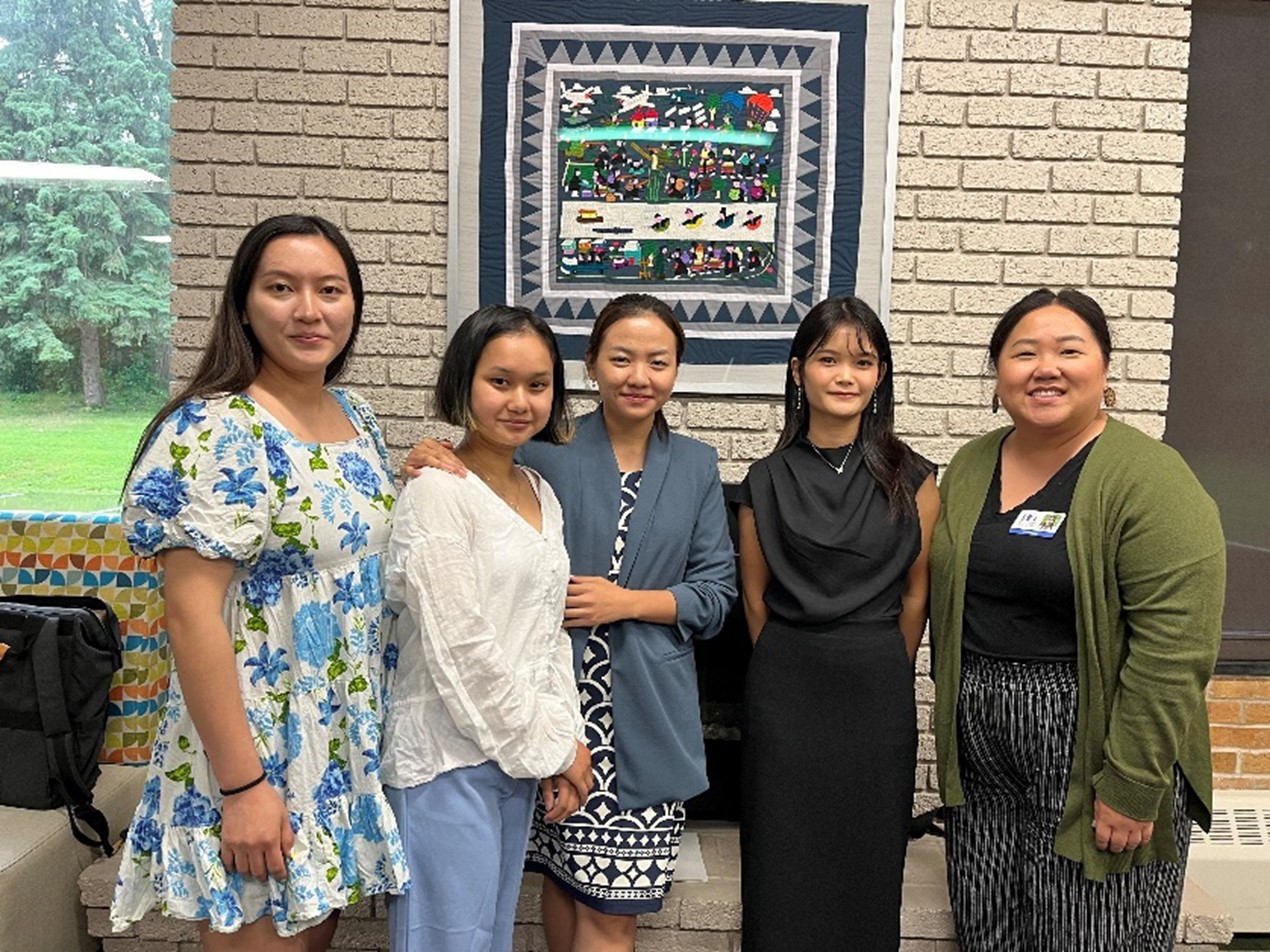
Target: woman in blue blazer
652,570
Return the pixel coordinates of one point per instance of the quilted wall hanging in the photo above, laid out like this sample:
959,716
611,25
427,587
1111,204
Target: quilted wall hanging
733,158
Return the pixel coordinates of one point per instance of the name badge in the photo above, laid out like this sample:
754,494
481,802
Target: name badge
1037,522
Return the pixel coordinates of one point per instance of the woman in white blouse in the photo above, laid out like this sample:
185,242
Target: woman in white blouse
482,699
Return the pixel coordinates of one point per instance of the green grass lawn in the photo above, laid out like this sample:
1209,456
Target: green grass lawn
57,456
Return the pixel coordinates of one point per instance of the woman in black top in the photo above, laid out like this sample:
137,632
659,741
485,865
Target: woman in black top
1078,573
834,529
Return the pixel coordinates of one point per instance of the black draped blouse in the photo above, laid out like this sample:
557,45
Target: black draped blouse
834,553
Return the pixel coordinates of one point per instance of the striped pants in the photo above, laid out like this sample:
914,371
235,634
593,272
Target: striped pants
1010,891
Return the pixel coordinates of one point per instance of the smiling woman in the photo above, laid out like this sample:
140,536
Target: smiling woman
483,705
642,591
267,497
1051,366
1077,575
300,310
834,529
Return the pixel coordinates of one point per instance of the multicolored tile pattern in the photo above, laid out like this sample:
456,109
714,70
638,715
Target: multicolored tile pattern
85,554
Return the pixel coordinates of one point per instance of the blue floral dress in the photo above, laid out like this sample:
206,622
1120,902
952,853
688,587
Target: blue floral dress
306,526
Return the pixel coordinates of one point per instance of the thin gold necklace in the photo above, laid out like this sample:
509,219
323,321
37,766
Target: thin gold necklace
502,495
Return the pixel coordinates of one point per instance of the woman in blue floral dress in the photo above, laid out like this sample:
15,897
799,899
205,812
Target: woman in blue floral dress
267,497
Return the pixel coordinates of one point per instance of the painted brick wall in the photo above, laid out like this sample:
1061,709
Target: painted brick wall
1041,142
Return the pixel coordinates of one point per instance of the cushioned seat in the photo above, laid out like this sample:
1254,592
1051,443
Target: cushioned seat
40,863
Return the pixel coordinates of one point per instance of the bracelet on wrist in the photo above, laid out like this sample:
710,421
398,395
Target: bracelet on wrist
245,787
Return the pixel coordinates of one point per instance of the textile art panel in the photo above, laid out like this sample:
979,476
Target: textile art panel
709,153
75,554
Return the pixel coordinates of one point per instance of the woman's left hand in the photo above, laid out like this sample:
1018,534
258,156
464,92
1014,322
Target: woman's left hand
432,454
560,799
592,600
1116,833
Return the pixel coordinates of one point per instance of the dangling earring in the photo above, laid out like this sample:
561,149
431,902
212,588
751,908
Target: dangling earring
1109,397
996,403
798,400
875,402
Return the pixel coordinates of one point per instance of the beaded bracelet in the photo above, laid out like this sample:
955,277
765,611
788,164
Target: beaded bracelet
245,787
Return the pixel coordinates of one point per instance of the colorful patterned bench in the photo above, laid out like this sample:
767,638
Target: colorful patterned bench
39,860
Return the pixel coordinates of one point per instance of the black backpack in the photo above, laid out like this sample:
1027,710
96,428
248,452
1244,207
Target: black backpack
59,656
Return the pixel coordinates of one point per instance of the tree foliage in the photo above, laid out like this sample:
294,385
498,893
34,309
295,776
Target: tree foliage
84,82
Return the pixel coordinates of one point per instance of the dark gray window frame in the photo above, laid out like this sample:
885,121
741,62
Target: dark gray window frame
1219,400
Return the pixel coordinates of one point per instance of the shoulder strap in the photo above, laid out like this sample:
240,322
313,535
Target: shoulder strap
59,741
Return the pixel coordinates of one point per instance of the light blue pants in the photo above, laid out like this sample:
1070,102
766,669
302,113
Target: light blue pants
465,834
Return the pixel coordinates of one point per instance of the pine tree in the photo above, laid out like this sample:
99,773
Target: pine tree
84,82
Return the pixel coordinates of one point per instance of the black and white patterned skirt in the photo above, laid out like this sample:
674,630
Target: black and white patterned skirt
619,862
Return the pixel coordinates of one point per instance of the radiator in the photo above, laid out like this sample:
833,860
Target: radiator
1232,861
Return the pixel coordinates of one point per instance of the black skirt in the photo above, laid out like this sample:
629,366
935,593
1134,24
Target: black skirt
830,753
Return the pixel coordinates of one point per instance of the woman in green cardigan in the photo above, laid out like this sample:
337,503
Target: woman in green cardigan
1078,573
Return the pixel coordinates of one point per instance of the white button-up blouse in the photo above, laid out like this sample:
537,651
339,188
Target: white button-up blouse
484,670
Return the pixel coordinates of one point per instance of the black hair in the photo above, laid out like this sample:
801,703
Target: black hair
636,305
888,459
453,398
232,356
1082,305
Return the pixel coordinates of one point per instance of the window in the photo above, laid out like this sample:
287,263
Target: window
84,257
1220,391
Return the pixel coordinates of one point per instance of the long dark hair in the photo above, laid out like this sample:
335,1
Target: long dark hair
636,305
888,459
453,399
231,357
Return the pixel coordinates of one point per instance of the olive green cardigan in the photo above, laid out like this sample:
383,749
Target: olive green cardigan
1149,566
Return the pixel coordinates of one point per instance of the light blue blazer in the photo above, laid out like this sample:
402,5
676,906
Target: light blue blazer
677,539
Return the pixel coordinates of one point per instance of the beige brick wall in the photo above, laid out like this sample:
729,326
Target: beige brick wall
1041,142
